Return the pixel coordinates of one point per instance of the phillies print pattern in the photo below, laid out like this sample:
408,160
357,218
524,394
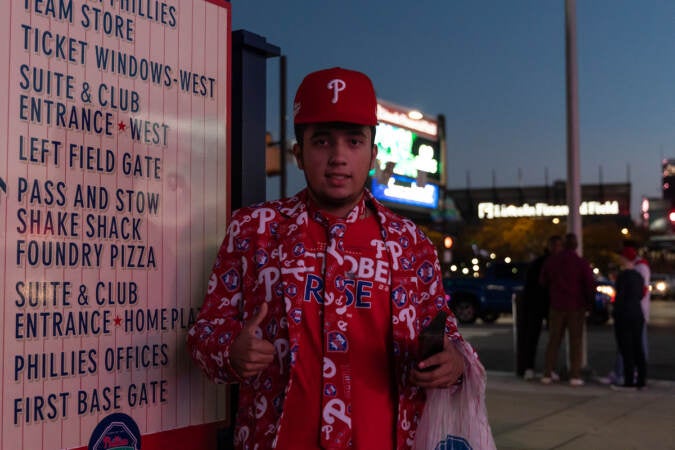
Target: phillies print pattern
265,257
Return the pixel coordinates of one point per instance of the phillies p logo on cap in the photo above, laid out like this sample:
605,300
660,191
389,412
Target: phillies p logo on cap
335,95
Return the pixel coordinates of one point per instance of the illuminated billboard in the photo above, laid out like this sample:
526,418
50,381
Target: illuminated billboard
408,168
405,190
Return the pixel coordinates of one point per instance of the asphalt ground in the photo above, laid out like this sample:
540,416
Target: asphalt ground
495,345
527,415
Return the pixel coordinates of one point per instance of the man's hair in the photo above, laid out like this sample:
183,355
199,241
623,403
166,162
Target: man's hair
571,242
554,239
630,243
300,133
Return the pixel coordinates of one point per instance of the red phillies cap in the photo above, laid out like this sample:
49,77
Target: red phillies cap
336,95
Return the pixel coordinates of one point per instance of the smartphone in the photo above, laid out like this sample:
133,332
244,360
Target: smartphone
432,337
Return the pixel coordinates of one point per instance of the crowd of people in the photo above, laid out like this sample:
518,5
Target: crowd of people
560,291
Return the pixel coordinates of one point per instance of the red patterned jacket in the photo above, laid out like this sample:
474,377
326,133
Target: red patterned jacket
261,259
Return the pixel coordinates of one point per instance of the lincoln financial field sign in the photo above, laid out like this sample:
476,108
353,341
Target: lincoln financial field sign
489,210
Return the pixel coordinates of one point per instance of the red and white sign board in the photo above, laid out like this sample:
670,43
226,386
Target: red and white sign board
114,174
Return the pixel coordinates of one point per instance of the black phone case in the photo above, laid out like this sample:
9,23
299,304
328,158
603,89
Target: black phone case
431,338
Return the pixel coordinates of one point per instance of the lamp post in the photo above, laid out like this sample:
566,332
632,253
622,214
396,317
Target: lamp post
573,186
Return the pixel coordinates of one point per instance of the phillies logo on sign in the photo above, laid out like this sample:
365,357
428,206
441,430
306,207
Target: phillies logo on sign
117,431
336,85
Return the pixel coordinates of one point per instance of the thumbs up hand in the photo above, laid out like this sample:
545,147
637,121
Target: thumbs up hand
249,354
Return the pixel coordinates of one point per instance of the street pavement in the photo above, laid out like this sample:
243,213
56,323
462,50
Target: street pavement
527,415
495,344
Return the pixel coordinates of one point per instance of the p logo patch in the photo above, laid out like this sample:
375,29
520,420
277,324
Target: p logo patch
230,280
337,342
426,272
453,443
399,296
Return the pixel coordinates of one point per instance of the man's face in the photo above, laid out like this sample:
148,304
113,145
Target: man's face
336,159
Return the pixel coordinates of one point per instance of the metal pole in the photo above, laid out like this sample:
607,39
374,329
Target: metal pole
282,125
249,111
516,347
573,185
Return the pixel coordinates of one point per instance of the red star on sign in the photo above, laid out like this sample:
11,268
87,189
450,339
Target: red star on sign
118,321
122,126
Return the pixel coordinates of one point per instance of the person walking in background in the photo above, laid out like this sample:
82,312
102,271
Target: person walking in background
629,322
316,302
534,309
571,286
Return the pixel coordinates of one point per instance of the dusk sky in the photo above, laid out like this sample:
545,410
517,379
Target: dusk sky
496,70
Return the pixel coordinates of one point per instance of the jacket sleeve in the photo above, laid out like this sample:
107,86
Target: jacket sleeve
220,319
643,269
434,297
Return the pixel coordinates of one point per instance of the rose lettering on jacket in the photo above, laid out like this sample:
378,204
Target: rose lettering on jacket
356,291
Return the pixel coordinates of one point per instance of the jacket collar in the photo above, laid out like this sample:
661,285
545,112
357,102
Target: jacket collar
293,207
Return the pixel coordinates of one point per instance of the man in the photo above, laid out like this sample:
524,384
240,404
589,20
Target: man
569,279
629,323
535,307
640,265
316,302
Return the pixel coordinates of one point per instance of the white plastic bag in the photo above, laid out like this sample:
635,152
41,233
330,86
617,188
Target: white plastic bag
456,418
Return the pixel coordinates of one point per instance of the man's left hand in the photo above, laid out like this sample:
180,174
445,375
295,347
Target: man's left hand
448,371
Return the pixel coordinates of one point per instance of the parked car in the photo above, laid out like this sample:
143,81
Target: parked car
491,295
604,300
487,296
662,286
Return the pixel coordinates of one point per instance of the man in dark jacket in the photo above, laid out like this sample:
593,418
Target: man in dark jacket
570,282
629,322
534,309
